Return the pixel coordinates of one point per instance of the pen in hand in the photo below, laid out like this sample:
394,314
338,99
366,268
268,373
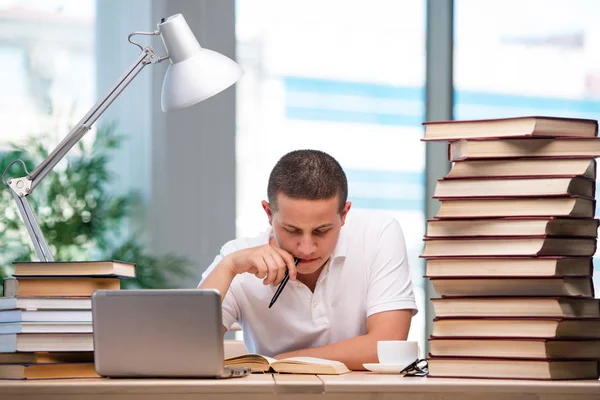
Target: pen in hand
286,278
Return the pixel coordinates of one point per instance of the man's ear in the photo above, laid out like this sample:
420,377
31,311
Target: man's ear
345,211
267,207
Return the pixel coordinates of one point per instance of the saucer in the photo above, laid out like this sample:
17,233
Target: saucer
386,368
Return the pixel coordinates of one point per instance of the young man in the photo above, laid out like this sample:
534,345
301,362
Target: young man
350,288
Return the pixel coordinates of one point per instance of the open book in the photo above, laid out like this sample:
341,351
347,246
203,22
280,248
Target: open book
293,365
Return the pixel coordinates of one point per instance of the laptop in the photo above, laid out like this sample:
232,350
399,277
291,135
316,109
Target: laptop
159,333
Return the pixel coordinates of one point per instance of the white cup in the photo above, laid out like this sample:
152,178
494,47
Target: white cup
397,352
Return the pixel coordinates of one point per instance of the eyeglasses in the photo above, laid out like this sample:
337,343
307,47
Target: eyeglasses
418,368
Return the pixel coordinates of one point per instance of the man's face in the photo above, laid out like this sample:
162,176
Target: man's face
307,229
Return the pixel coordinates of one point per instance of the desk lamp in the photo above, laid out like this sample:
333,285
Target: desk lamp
194,74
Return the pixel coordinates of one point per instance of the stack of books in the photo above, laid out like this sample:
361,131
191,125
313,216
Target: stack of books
510,250
46,317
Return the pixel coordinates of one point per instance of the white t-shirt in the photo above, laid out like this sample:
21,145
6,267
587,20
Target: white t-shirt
368,273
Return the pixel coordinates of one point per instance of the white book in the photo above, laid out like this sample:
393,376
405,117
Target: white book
30,342
53,303
45,315
45,327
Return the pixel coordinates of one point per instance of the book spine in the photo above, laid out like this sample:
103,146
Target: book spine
10,287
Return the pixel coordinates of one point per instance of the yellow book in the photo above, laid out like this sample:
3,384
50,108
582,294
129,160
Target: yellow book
48,371
58,287
293,365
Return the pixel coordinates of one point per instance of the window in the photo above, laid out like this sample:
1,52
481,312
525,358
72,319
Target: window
527,58
47,57
348,80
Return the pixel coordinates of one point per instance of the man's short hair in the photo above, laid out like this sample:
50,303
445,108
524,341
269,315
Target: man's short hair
309,175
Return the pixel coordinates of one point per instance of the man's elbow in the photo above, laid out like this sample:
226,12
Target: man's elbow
390,325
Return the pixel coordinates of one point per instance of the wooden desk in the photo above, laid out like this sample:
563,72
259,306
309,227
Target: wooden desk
253,387
366,385
354,386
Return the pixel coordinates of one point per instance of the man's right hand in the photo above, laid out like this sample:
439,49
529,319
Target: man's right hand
266,262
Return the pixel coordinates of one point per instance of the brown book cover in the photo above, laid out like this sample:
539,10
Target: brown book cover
501,368
541,245
526,306
58,287
513,266
571,286
514,187
522,327
512,226
47,357
526,126
536,167
560,206
495,148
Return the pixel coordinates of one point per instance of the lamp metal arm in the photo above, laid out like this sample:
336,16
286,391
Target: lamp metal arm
21,187
85,124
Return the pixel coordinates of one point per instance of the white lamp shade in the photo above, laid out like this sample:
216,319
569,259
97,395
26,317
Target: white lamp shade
197,78
195,73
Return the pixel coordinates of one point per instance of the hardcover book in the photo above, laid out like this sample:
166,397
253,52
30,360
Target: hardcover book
74,268
514,266
528,126
46,342
562,328
572,286
564,206
499,368
555,307
58,287
523,148
43,303
509,246
48,371
540,167
514,187
515,348
515,226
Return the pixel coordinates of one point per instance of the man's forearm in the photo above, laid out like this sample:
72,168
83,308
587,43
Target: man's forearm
353,352
220,278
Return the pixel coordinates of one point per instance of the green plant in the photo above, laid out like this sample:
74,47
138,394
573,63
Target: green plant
78,215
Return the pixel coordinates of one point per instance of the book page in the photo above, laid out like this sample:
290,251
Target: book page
308,360
251,357
309,365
